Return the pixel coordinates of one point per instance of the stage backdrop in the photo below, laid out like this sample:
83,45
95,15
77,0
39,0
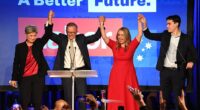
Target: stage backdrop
16,14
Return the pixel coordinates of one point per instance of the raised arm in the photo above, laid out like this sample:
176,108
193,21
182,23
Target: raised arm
138,96
49,23
103,33
49,28
147,33
94,37
142,19
139,35
50,16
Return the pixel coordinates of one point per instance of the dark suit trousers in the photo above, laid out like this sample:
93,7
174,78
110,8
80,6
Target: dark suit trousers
80,90
31,90
172,80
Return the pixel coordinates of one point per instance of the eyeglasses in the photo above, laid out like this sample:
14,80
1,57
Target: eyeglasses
71,32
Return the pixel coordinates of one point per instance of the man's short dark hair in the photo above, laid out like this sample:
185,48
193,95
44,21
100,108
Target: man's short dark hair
175,19
72,24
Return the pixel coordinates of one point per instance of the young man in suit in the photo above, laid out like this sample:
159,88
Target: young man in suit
177,54
30,67
73,54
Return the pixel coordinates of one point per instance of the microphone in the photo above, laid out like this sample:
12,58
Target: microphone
184,60
189,77
72,57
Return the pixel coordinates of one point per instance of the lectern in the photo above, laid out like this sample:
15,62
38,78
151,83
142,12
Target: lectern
72,74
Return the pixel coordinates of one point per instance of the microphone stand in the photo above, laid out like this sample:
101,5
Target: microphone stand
72,69
189,75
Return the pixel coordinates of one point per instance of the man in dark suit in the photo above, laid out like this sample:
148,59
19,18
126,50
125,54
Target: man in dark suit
30,67
73,54
177,54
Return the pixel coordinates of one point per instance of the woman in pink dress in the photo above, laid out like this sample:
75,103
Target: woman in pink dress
123,72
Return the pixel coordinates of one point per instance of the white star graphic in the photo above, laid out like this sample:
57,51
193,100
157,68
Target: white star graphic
143,49
139,57
148,45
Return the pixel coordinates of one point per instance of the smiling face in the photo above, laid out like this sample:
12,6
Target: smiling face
31,33
123,36
71,32
31,37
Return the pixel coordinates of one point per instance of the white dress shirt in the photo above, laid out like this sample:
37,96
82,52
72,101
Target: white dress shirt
170,59
78,57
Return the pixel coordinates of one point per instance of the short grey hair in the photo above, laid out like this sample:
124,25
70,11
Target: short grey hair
30,28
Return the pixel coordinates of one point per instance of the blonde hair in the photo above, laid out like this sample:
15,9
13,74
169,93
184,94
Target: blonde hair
30,28
127,36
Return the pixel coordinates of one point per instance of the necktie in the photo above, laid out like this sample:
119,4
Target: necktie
71,51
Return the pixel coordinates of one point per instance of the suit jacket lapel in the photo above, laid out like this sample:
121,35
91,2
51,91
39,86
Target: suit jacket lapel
180,42
64,44
24,52
167,42
78,42
81,46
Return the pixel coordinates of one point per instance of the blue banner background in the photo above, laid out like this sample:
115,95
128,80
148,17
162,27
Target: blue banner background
146,72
